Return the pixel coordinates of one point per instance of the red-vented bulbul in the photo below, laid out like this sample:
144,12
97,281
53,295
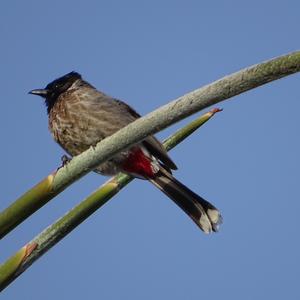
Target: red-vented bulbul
80,117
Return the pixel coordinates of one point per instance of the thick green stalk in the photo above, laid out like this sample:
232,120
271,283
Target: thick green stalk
159,119
26,205
21,260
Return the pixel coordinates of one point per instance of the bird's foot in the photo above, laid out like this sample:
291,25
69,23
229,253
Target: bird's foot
64,161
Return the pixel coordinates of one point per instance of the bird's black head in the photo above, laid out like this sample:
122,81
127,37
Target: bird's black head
55,88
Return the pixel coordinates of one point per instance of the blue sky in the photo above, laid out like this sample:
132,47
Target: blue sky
245,160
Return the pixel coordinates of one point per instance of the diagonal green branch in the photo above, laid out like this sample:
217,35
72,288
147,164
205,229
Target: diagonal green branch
159,119
175,111
28,254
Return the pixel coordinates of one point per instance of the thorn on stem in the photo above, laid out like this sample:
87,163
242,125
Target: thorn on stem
216,109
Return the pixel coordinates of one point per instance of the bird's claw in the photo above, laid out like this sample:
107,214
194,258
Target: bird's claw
64,161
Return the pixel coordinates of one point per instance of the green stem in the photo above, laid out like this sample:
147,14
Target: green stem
22,259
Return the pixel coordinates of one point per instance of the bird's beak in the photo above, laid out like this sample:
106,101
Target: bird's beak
39,92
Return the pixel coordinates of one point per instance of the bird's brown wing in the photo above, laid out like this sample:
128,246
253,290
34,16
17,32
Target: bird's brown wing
152,144
158,150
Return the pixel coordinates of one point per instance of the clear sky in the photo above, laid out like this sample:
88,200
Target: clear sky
245,160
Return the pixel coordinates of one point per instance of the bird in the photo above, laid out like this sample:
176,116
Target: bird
79,116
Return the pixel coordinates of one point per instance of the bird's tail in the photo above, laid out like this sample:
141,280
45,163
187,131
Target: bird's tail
204,214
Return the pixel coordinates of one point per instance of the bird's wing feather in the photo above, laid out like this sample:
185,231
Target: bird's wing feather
152,144
157,149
